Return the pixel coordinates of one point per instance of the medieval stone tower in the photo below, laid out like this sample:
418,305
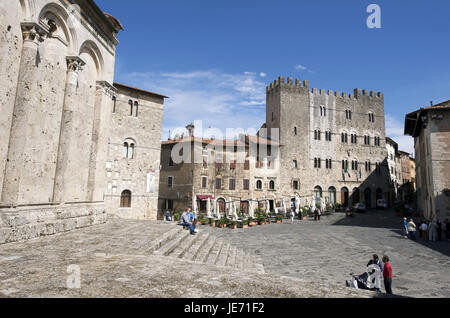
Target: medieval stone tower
333,145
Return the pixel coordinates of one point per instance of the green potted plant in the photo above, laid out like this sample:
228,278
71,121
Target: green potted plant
223,223
279,219
251,222
261,220
205,220
176,216
213,222
244,224
233,225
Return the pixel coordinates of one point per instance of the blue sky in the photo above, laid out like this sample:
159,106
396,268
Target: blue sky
214,58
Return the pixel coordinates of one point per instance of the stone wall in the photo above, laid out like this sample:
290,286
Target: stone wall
33,222
440,164
141,125
302,112
59,58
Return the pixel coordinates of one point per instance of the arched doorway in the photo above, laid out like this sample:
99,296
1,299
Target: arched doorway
344,197
356,196
368,197
332,195
221,205
125,199
244,207
318,194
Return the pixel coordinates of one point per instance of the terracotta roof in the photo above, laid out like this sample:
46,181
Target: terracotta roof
413,121
140,90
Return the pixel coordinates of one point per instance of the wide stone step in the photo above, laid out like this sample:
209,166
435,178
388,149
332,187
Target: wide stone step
196,248
168,247
204,252
232,257
240,259
214,253
166,237
223,255
184,246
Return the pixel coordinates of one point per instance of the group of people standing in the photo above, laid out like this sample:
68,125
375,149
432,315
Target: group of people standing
432,230
385,273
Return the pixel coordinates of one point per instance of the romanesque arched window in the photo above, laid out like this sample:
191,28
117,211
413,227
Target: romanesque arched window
259,185
129,147
272,185
130,102
136,106
125,199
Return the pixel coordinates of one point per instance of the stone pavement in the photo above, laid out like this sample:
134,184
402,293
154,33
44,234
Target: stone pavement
126,258
329,250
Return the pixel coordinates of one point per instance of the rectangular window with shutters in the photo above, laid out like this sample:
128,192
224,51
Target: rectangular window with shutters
170,182
246,184
218,183
247,165
232,184
204,182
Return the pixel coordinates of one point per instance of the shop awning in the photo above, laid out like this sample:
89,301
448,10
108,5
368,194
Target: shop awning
204,197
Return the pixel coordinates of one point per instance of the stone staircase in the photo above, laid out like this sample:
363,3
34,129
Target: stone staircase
204,248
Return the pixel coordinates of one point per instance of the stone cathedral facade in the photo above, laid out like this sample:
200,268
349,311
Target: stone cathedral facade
57,99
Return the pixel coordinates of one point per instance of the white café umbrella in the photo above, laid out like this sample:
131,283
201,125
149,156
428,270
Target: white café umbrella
194,205
208,208
267,206
297,204
235,216
251,209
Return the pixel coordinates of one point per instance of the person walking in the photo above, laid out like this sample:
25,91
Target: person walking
412,230
432,231
439,230
387,275
292,216
424,228
375,261
446,229
405,227
419,228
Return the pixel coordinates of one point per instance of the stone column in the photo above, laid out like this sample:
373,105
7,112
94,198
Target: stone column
69,173
99,148
18,165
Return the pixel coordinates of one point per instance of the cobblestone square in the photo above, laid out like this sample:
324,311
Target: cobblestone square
329,250
126,258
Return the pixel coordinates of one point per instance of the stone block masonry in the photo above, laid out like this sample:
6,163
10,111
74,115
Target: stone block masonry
28,223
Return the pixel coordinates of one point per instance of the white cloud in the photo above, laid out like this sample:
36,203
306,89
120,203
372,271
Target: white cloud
262,74
220,100
395,130
301,67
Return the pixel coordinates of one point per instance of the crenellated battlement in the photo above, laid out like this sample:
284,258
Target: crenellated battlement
281,82
289,83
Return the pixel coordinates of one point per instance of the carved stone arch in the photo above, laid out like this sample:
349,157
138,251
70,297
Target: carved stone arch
61,25
90,48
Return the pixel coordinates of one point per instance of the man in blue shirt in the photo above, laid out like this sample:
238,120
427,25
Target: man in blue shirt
186,221
405,227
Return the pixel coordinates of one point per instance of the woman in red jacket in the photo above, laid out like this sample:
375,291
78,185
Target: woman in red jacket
387,275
